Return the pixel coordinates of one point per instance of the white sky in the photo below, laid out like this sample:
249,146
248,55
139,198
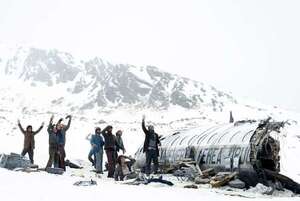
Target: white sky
250,47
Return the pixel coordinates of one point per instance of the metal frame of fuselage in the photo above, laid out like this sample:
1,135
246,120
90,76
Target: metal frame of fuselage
225,148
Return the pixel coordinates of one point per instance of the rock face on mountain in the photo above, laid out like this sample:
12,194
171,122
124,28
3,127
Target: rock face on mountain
104,84
43,66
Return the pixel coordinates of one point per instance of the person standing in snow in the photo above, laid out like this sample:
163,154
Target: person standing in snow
29,143
110,147
53,142
61,138
97,143
91,156
120,143
151,149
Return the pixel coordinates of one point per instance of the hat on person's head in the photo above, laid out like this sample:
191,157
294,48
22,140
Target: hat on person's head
97,129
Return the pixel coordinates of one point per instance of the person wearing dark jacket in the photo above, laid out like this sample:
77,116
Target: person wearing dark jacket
97,143
151,149
110,147
53,142
120,142
63,129
29,143
61,138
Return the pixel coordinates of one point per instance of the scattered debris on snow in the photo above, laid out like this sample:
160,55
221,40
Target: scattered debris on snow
85,183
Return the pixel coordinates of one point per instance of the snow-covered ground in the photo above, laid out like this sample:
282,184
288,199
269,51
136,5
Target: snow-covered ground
41,186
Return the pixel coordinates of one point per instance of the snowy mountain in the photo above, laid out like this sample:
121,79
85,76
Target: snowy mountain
104,84
38,82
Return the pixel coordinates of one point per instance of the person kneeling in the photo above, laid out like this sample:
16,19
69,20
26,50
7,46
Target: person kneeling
123,167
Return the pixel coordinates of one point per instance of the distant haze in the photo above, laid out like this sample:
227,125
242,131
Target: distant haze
250,48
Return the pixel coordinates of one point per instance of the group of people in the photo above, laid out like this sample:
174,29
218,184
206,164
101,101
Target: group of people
112,144
57,141
118,166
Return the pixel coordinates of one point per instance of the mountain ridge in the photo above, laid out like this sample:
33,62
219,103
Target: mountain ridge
106,84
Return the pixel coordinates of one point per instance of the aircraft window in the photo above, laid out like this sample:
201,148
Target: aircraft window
234,135
247,135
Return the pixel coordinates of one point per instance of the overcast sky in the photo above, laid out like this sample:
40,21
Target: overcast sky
250,47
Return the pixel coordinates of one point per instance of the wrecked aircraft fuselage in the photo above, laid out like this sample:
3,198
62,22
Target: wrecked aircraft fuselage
246,147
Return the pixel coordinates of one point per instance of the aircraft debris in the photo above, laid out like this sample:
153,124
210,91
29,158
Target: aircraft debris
208,173
85,183
144,180
72,165
192,186
248,150
27,170
199,180
14,161
159,180
237,183
222,180
58,171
